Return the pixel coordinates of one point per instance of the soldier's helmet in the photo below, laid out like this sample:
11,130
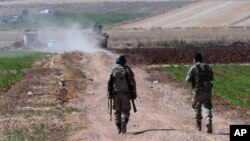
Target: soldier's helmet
120,59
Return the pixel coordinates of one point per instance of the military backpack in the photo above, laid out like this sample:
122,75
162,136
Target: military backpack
203,77
120,83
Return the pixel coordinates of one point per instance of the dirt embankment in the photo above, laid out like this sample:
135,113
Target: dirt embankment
35,107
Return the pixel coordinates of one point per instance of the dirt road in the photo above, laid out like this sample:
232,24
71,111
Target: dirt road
164,111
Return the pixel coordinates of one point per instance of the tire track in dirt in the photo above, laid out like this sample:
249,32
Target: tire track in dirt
164,111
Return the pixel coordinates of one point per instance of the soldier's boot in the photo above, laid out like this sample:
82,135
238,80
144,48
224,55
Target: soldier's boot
119,130
209,126
198,125
124,127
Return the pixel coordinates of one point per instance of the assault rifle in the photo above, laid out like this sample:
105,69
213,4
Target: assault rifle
110,108
110,95
131,91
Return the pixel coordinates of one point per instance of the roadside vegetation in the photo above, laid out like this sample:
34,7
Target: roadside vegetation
12,65
31,110
231,82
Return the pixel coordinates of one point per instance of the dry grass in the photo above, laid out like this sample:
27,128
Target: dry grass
130,38
74,76
39,116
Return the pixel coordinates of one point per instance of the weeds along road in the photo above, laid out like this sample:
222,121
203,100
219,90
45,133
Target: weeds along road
164,110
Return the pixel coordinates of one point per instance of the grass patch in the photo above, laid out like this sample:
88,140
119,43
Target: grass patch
44,104
65,20
40,132
21,134
231,82
70,109
9,112
74,127
12,65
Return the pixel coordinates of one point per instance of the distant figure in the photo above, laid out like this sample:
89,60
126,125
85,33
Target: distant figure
63,92
97,29
200,76
25,12
101,38
122,89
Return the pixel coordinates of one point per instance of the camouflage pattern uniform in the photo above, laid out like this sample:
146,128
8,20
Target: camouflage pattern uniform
121,99
63,93
201,75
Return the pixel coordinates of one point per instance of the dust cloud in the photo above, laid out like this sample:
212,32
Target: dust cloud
70,39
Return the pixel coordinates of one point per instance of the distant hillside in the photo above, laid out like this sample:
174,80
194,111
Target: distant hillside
12,2
200,14
82,14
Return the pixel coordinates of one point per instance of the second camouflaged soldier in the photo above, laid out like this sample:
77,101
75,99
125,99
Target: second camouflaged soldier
200,76
118,89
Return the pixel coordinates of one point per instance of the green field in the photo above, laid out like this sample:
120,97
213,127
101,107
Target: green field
64,20
12,65
231,82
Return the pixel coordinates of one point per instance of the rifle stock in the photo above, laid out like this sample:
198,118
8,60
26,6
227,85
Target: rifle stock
110,108
134,107
110,96
131,90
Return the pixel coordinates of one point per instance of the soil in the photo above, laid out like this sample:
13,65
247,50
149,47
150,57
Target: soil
34,103
163,104
228,54
216,14
164,111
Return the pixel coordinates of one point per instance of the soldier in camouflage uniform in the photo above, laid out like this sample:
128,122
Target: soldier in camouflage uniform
63,92
120,93
200,76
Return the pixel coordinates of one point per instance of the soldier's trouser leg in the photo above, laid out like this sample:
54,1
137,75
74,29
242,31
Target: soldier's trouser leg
118,121
198,117
125,109
122,108
117,113
196,104
124,118
207,106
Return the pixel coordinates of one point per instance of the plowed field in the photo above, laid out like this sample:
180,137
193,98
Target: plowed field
184,55
200,14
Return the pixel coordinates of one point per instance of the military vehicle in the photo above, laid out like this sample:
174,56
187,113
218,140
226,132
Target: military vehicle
102,38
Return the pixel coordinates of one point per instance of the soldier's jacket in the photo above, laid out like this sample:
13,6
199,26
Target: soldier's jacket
63,95
200,75
116,82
